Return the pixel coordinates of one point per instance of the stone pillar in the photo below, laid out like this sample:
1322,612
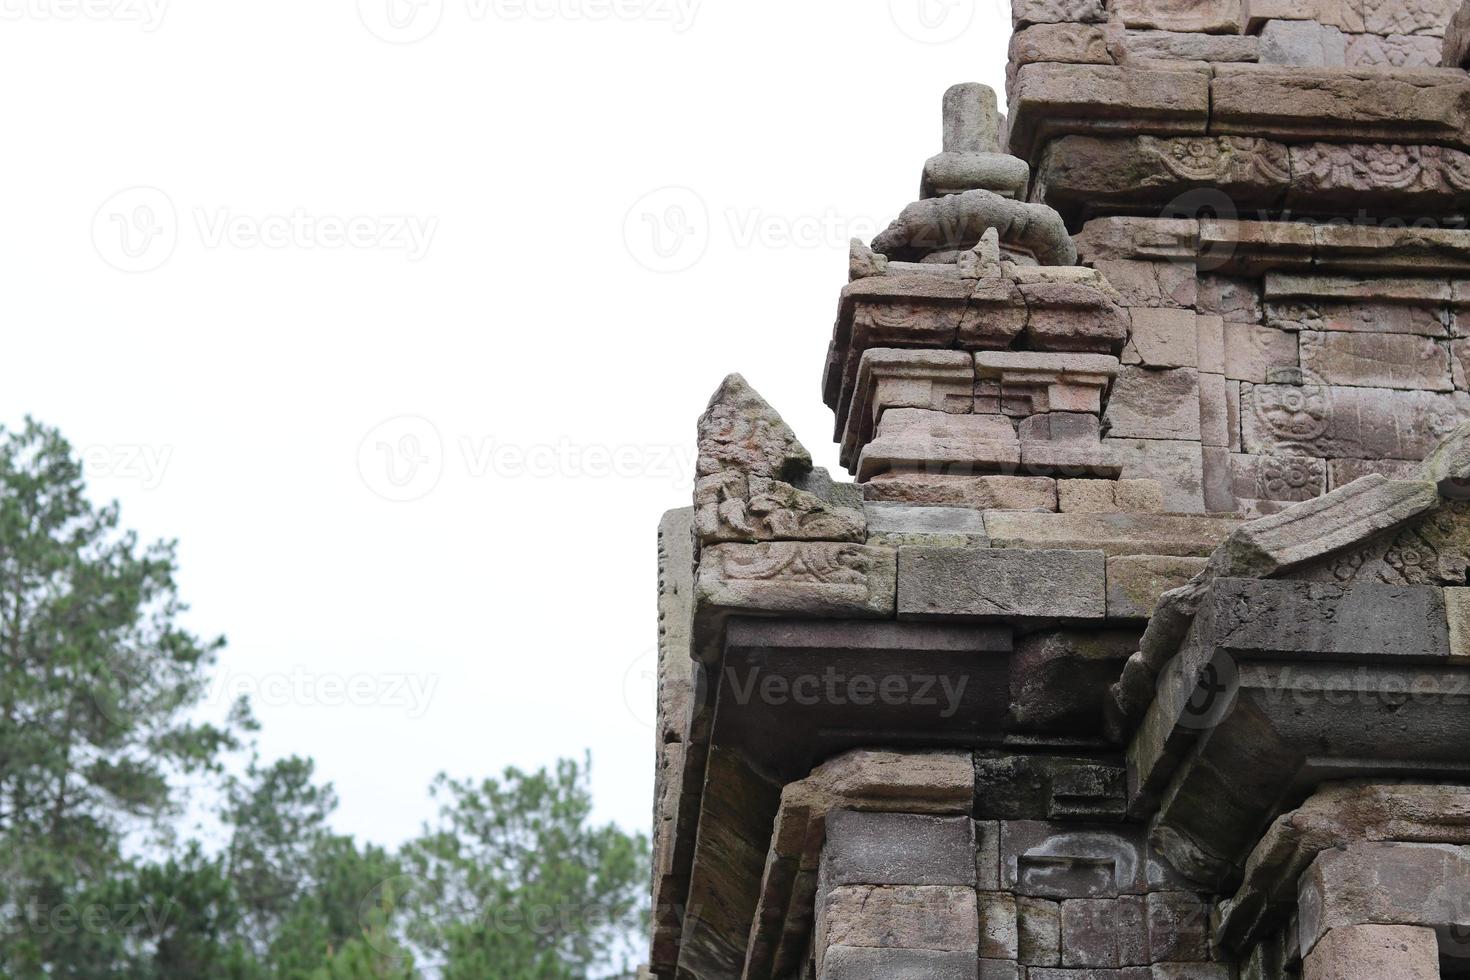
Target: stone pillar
1355,952
1375,909
897,898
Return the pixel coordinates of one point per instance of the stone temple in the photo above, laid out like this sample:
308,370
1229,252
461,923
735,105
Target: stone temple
1139,646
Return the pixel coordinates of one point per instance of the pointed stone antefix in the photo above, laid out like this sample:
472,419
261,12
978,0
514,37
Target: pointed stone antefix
863,262
982,261
756,481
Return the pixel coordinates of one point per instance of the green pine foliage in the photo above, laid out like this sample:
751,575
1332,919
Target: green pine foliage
99,683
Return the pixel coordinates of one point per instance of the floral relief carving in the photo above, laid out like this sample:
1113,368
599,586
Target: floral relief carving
1288,477
1292,413
820,564
1198,159
1366,167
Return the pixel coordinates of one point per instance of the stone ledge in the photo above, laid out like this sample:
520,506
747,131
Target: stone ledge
893,525
1280,685
1171,535
815,579
1286,104
993,585
910,438
963,490
1051,100
1334,817
1405,105
1255,248
941,380
1081,176
1135,582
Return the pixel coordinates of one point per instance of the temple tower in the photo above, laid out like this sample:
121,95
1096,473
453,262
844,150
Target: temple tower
1138,647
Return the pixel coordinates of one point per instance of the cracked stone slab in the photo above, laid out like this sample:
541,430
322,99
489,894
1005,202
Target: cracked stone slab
892,525
999,585
960,490
1337,422
1410,105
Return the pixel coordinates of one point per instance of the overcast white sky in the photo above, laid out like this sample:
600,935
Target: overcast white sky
405,342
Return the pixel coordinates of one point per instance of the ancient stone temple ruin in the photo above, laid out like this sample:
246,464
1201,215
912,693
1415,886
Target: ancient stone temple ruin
1139,646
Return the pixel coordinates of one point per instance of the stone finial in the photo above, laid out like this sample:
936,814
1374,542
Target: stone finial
971,119
972,158
756,482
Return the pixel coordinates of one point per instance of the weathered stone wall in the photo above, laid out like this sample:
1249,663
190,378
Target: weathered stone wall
1320,33
1140,647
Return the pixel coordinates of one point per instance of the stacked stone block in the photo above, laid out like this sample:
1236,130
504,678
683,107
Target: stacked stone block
1306,33
1140,647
